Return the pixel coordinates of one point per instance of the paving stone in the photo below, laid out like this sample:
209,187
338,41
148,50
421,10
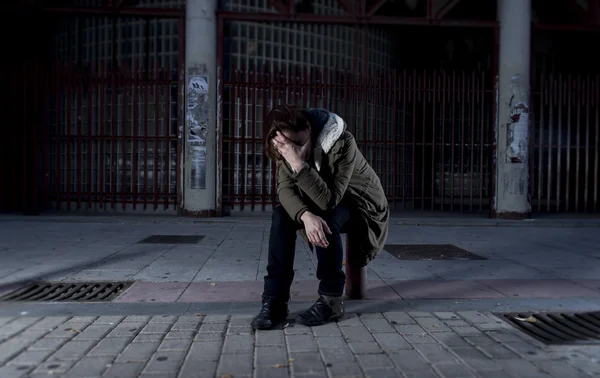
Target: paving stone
475,359
163,319
240,330
126,330
164,362
73,350
396,318
93,332
206,351
453,370
374,361
110,320
156,328
331,342
209,336
350,320
240,321
14,371
271,372
148,338
216,319
297,329
446,315
213,327
365,347
497,351
122,370
198,369
560,369
136,319
474,317
337,356
478,340
466,331
90,367
391,341
12,347
238,344
238,365
419,339
433,325
344,369
137,352
307,363
383,373
47,344
435,353
456,323
451,339
5,319
379,325
273,337
175,344
301,343
270,356
409,361
522,368
407,329
504,336
185,326
180,335
110,346
357,334
16,326
420,314
330,329
54,367
49,322
30,357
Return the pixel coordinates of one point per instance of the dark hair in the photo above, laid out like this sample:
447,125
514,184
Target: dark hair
282,118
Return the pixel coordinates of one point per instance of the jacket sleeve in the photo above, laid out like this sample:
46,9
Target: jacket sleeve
288,193
311,183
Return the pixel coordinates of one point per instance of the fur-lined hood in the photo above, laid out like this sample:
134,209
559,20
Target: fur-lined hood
327,128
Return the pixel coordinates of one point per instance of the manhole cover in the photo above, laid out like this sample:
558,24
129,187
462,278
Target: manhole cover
172,239
67,292
558,328
430,252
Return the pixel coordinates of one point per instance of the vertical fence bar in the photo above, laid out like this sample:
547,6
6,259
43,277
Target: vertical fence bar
597,144
233,167
146,83
443,141
568,149
134,141
263,166
25,135
69,110
90,148
472,141
578,140
482,141
550,101
453,137
101,141
462,140
586,201
405,92
156,136
435,98
79,176
376,86
253,139
125,189
413,93
35,84
243,141
48,79
57,93
113,135
385,78
273,85
423,95
559,99
166,87
395,79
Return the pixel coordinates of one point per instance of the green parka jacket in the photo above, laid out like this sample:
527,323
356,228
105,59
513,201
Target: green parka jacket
339,173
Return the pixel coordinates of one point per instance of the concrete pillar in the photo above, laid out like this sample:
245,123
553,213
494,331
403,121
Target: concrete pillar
511,200
199,157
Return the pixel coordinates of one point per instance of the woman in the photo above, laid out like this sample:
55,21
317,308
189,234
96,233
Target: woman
326,187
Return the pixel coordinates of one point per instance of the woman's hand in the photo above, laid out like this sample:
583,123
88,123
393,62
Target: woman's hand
291,152
315,228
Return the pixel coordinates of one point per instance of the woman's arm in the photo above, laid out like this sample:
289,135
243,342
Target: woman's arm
311,183
288,193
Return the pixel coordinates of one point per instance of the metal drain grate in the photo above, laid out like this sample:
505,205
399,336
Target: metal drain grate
67,292
430,252
558,328
172,239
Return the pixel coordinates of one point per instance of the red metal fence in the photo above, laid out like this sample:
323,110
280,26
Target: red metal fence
565,137
427,134
91,137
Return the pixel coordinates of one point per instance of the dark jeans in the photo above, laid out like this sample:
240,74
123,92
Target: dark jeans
282,249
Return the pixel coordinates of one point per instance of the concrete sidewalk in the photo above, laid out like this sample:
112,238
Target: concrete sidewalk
189,310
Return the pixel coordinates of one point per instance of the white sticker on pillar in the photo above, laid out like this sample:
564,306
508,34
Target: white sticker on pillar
197,118
518,133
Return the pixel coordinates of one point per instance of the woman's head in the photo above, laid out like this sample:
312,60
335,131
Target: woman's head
291,123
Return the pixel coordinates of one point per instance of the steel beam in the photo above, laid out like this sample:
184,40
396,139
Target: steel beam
594,11
447,7
280,7
581,14
347,6
133,12
567,27
375,7
351,20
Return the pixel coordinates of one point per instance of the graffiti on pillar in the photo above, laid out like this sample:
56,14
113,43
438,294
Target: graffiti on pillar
518,130
197,119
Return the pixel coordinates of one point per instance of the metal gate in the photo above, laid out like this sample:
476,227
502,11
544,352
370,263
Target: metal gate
423,121
95,127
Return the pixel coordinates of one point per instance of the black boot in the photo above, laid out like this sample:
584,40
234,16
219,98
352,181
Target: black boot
271,313
325,309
